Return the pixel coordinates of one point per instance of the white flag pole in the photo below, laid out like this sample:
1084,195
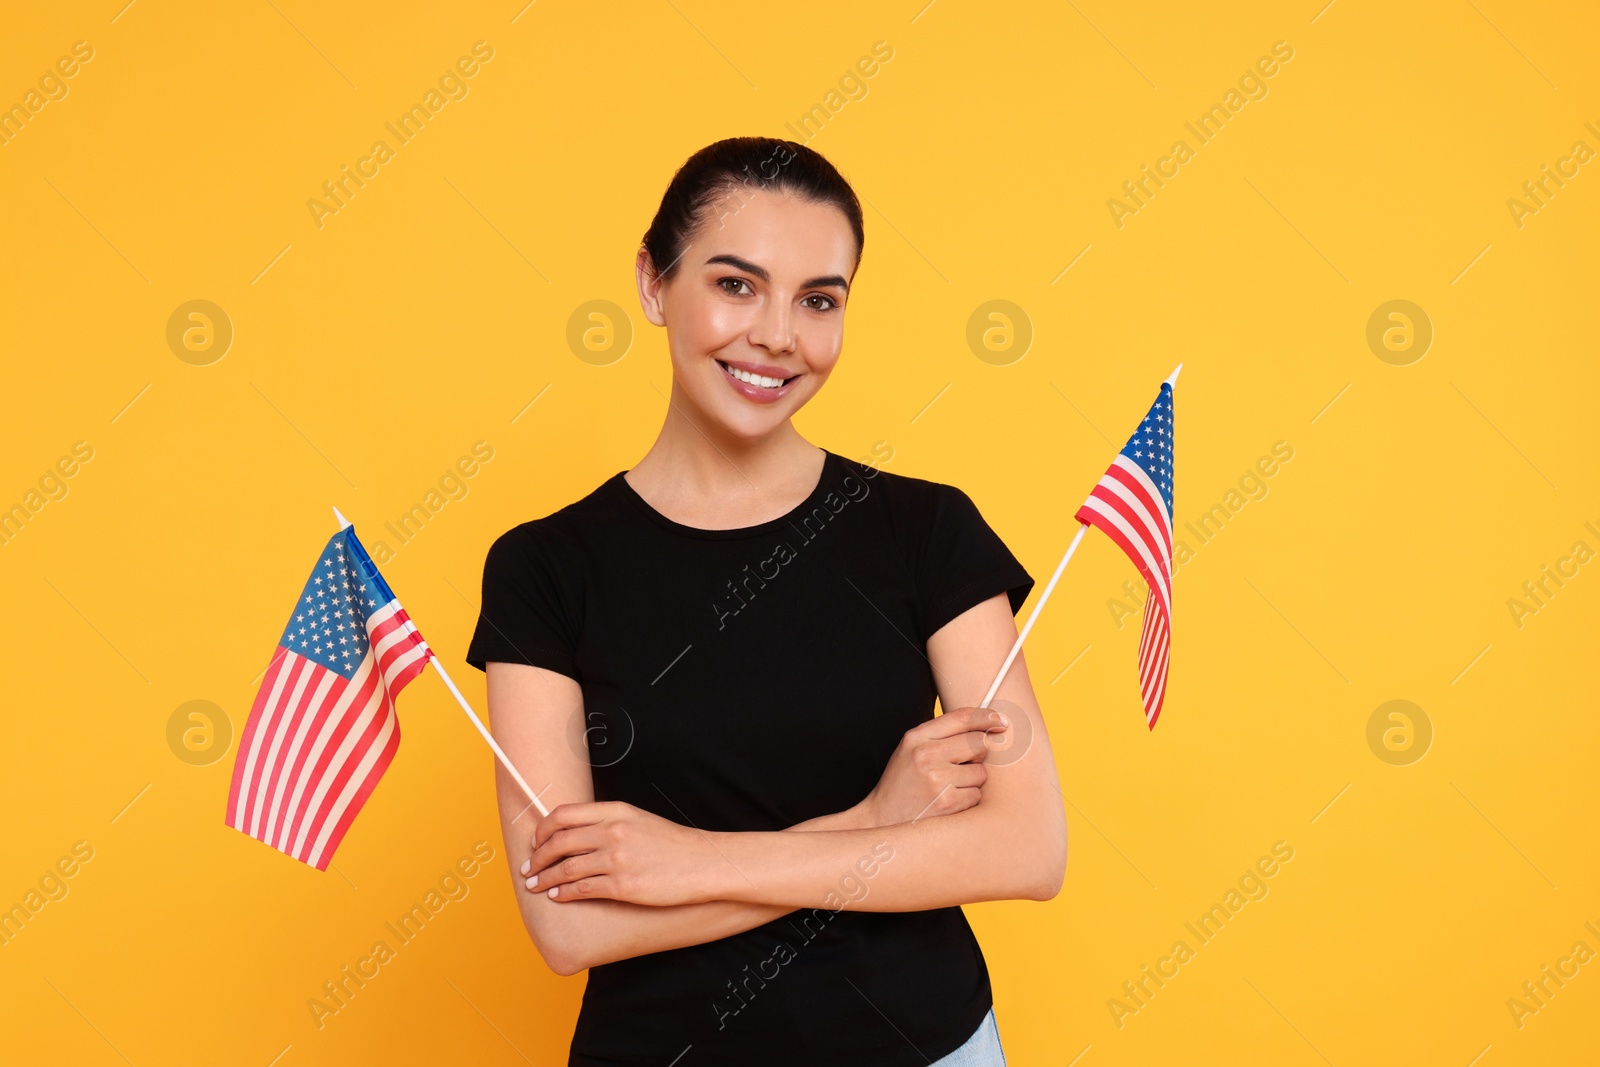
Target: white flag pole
505,761
1172,380
1037,607
498,751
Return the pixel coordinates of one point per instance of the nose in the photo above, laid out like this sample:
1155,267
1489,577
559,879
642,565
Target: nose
774,327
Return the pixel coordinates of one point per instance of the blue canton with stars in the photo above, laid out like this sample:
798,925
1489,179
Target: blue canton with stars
329,625
1151,444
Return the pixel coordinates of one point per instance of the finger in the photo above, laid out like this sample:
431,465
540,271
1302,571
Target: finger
964,799
969,775
600,887
563,816
566,871
954,722
962,748
561,845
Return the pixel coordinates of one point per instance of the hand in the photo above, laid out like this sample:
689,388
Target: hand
937,769
615,851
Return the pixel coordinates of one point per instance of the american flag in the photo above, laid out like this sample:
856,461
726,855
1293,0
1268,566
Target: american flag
323,728
1132,503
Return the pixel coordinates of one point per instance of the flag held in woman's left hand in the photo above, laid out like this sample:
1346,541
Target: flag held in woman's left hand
323,727
1132,503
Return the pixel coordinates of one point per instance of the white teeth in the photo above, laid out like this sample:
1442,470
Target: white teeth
753,379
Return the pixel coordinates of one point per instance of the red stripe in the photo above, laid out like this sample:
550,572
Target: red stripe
1154,711
364,741
362,698
357,753
1153,608
1096,519
1155,662
1126,478
250,728
398,649
1144,629
1162,659
386,626
1153,537
286,784
1140,523
411,670
1151,653
359,800
274,715
275,786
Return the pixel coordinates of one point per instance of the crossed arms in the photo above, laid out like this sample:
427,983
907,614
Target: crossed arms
966,816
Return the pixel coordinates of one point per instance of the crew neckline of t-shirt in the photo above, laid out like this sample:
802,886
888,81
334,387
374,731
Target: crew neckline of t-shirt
829,466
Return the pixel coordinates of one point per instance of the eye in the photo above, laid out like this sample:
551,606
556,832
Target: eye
831,302
722,284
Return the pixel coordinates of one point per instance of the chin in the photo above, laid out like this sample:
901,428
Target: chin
736,420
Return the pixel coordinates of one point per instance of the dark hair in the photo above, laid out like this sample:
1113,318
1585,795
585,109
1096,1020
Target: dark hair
759,162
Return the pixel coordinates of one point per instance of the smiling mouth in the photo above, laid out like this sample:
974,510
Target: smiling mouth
757,380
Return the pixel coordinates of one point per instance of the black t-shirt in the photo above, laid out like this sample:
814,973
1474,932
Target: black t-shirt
748,680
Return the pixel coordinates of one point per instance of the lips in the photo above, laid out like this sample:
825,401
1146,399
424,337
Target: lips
749,380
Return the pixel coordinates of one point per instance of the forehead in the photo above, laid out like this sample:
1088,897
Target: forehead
785,233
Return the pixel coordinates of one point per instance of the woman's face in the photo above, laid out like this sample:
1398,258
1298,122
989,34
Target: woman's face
755,312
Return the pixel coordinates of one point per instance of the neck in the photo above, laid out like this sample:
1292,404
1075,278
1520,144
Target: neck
694,457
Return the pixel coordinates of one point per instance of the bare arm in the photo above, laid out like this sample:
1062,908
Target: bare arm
537,716
1011,845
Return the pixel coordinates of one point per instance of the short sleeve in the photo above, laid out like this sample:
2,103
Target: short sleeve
958,561
530,606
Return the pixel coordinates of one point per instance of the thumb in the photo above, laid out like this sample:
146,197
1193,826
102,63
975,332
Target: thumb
961,719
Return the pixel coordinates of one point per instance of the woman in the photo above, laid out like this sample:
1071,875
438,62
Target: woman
721,664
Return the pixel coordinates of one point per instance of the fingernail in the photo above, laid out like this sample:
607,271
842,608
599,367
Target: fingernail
552,893
533,883
1000,718
527,864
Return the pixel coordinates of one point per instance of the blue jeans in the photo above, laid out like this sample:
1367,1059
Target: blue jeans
982,1049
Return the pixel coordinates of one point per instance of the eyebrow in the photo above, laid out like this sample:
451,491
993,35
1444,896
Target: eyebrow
831,280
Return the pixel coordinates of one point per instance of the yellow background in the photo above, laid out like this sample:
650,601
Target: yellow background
370,353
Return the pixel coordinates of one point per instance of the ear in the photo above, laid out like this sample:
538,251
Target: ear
650,286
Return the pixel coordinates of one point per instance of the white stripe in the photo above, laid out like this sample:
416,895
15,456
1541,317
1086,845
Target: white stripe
281,720
1147,646
1150,487
1153,663
1112,516
1123,493
1150,608
335,715
353,784
1159,663
390,723
392,638
280,788
381,615
400,663
247,780
358,724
